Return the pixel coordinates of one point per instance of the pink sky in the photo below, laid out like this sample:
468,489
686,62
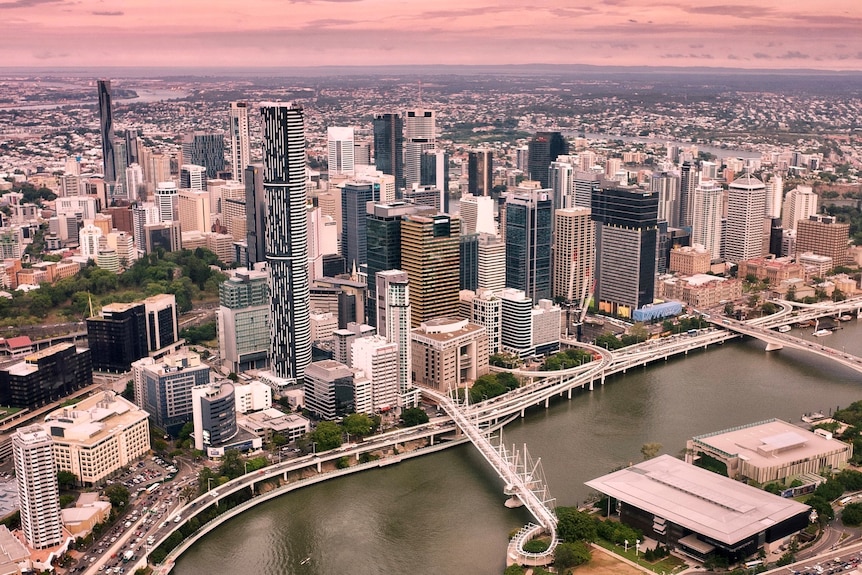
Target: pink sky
735,33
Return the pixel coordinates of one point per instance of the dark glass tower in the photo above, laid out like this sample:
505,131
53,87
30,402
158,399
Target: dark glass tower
106,125
354,199
469,268
118,336
480,172
528,242
255,214
284,185
389,146
626,241
541,151
203,149
687,184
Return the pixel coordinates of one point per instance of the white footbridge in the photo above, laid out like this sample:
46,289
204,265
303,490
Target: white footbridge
524,480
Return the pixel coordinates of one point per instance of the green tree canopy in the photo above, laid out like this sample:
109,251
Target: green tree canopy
358,424
851,516
327,435
67,480
574,525
568,555
413,416
117,494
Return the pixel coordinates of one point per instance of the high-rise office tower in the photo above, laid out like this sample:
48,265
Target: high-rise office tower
688,179
746,206
133,151
561,181
584,185
434,169
354,240
706,217
193,210
255,214
429,255
626,241
339,148
166,201
118,336
119,190
193,177
420,128
477,215
389,146
469,267
528,242
574,253
243,321
106,125
240,141
774,196
284,184
492,262
480,172
135,187
38,493
394,317
544,148
799,204
824,236
666,185
204,149
383,230
362,153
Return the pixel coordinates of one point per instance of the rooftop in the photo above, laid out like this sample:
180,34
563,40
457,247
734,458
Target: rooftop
93,418
705,502
770,443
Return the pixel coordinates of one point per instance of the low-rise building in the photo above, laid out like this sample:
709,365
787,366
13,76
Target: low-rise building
773,270
690,260
700,290
45,376
252,396
268,422
98,436
701,513
768,451
449,353
87,512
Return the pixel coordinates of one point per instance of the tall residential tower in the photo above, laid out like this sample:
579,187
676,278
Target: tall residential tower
284,184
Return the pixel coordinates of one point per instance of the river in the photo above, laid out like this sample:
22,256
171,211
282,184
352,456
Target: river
444,513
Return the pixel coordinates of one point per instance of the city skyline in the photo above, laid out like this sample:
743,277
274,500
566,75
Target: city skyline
383,32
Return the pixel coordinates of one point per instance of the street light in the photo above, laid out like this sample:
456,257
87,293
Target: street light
313,447
245,464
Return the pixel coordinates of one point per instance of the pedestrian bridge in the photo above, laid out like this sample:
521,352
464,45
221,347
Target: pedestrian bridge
524,480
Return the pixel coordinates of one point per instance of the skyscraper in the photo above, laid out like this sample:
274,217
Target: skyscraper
394,318
626,241
287,238
544,149
204,149
799,204
528,242
574,252
389,146
240,142
255,214
339,148
746,209
666,185
480,172
166,200
106,125
354,240
38,494
688,178
420,127
706,217
430,256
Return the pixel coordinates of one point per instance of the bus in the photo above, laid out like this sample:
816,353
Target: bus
153,487
845,501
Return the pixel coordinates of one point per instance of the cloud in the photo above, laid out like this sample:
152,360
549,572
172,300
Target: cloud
762,56
794,55
108,13
730,10
49,55
25,3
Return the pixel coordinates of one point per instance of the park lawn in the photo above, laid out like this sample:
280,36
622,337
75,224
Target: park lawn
666,565
603,564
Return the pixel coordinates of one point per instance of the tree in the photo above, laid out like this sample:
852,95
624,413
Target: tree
574,525
231,464
327,435
117,494
67,480
851,516
514,569
186,431
650,450
413,416
358,424
824,510
568,555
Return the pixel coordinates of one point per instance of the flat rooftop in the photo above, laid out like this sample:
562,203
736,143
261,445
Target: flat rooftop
705,502
93,419
770,443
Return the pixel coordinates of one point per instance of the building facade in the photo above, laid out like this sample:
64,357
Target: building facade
449,353
38,493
